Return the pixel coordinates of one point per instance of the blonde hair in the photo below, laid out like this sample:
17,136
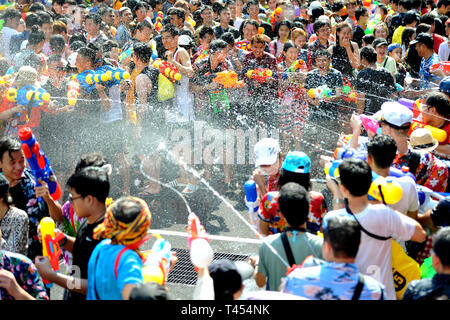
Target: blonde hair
381,25
297,32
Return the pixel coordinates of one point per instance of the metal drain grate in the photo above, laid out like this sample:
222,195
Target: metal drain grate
184,272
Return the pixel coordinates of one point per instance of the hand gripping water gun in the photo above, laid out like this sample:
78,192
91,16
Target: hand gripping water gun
81,77
295,66
73,90
167,69
39,163
24,95
229,79
320,92
370,124
439,134
157,262
385,189
158,21
348,93
444,66
50,244
198,243
275,14
332,169
343,153
252,202
259,75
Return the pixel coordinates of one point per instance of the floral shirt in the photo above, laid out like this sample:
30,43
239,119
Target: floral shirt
269,211
426,77
24,198
323,280
25,273
431,172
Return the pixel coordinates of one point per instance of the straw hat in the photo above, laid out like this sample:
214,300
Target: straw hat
422,140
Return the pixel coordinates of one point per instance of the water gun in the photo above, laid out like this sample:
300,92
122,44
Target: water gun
73,90
191,21
157,262
229,79
276,14
444,66
259,75
81,77
261,30
439,134
252,202
385,189
370,124
50,244
398,173
167,69
198,242
114,75
5,80
125,54
244,45
5,4
413,105
332,169
294,67
343,153
39,163
399,87
24,95
349,94
158,21
99,76
367,3
371,25
428,199
320,92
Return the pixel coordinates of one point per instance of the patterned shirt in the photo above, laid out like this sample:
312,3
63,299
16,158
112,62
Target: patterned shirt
270,212
26,275
431,172
14,227
323,280
427,79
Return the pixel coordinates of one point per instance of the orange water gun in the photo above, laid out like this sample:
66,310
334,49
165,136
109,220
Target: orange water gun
167,69
275,14
229,79
259,75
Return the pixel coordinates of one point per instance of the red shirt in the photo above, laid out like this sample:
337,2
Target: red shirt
446,127
438,39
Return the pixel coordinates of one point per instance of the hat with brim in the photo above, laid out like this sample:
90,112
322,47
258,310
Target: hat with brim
266,152
422,140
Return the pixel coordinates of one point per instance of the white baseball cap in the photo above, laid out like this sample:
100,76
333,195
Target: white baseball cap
314,5
396,114
266,152
72,59
184,40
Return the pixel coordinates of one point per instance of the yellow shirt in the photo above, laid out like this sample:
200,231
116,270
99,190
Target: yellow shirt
397,36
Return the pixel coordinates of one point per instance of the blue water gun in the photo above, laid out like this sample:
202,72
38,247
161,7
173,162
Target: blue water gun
115,75
39,163
82,77
24,95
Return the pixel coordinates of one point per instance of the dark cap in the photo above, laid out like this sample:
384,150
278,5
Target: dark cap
379,41
4,185
226,277
424,38
444,85
441,213
149,291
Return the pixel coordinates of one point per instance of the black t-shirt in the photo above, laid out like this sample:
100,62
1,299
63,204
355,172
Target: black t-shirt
358,35
378,85
20,200
82,250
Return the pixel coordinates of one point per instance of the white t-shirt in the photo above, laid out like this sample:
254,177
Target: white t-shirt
444,51
7,33
410,199
374,256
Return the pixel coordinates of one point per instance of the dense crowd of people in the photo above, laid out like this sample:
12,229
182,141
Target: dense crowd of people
107,86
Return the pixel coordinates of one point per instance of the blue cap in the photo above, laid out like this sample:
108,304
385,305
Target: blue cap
444,85
393,46
297,161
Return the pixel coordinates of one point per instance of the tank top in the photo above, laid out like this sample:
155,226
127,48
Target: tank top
184,100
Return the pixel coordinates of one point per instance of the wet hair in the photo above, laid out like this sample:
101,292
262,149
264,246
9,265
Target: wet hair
144,24
217,45
35,61
427,18
94,159
441,245
57,43
95,17
319,24
179,12
440,102
228,37
382,148
54,58
359,12
221,8
143,52
368,39
126,209
339,27
356,176
77,37
406,35
91,181
88,53
31,20
36,6
36,36
423,28
59,27
109,44
205,30
171,29
293,202
4,66
343,233
322,53
74,46
258,38
9,144
10,13
288,45
368,53
45,17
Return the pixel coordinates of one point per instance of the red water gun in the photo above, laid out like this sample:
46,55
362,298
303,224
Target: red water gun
39,163
349,94
167,69
50,243
444,66
259,75
276,14
244,45
198,242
